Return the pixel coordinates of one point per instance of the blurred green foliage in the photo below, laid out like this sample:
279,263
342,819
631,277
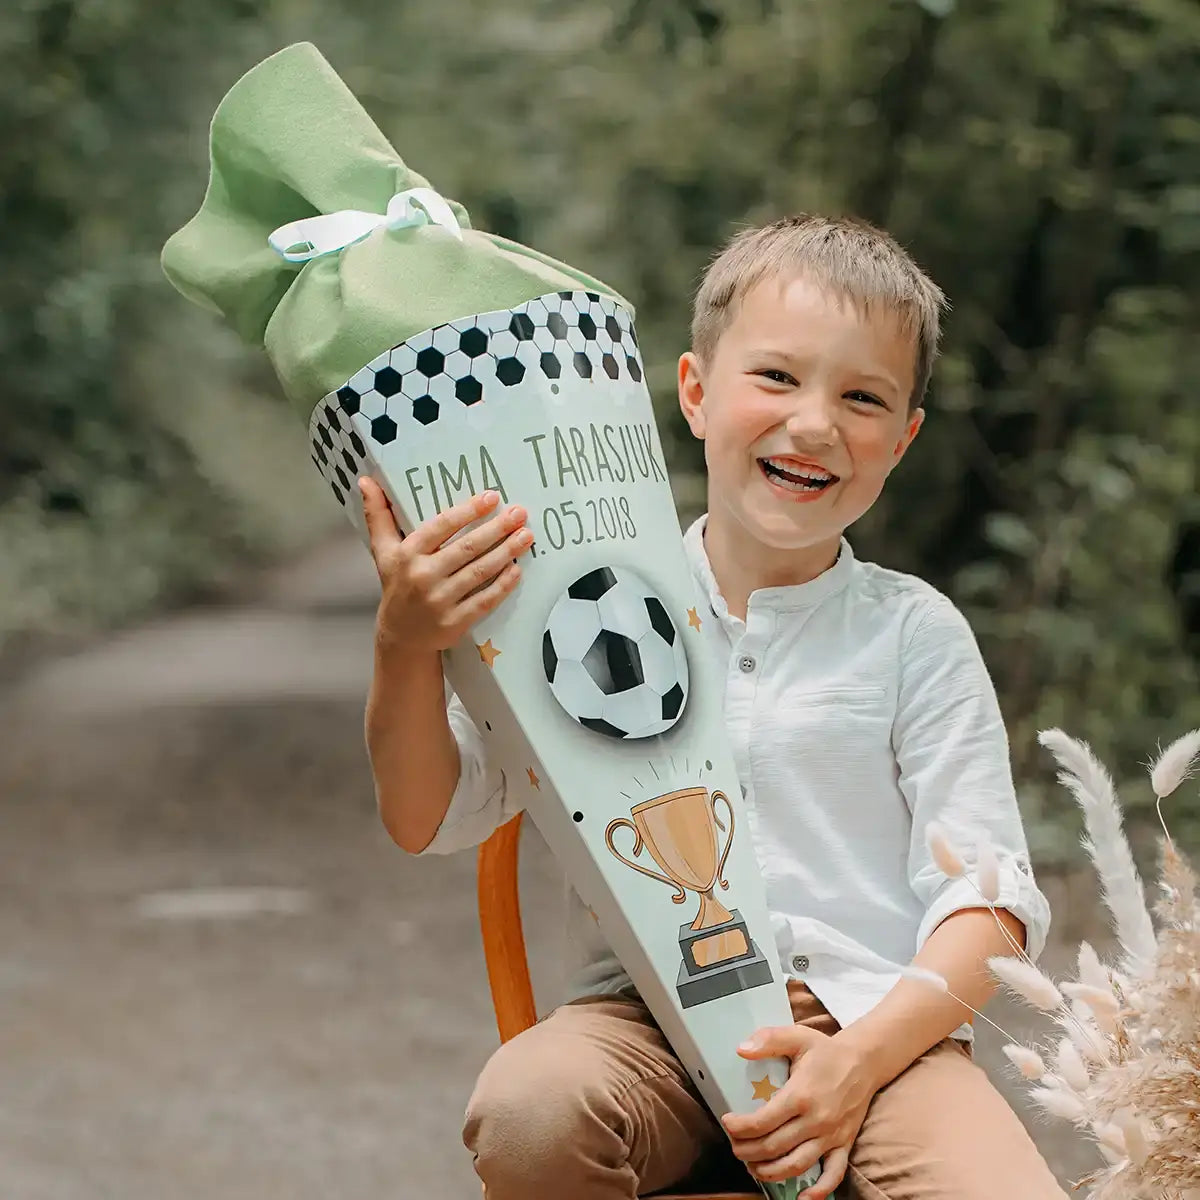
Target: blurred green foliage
1040,157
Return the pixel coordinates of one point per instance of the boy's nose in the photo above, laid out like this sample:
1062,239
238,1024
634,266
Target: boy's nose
813,421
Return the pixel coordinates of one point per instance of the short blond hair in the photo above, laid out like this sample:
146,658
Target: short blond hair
850,257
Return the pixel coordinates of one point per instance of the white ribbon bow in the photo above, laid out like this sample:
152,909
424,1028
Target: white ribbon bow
310,237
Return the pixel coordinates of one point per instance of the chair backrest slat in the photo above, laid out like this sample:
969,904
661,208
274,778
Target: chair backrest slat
502,933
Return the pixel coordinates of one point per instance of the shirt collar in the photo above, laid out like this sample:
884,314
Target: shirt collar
789,597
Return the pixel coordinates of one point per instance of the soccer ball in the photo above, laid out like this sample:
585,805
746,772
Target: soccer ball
613,657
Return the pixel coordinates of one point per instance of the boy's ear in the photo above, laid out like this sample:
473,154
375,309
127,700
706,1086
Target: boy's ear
691,393
915,421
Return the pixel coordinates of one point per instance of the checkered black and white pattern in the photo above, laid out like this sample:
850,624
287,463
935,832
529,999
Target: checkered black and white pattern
559,336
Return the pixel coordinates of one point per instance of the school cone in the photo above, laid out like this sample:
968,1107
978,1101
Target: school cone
441,361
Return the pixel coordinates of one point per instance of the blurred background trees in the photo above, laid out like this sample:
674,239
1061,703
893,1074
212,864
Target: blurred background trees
1040,157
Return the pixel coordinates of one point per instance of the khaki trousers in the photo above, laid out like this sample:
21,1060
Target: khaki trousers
591,1104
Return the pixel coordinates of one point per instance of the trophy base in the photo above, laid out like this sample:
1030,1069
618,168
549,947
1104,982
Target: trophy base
722,979
716,946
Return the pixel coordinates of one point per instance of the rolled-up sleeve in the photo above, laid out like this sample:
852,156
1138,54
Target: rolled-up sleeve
481,802
953,757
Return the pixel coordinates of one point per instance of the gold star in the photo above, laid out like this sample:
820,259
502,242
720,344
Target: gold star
488,652
693,619
764,1089
533,779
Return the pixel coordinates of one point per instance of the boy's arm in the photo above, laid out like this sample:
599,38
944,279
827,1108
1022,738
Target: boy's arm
436,792
913,1016
482,801
432,783
953,756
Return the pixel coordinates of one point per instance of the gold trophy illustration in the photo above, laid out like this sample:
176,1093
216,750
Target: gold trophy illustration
679,829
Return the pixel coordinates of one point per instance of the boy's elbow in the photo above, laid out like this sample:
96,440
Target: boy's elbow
406,840
410,837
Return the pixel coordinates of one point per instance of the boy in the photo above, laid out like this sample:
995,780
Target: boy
859,711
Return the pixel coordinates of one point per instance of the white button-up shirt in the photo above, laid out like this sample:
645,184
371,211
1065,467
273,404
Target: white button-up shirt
859,710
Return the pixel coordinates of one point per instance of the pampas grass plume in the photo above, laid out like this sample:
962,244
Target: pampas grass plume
1029,1062
1111,1136
1027,981
1090,783
1070,1065
1174,764
947,858
1101,1001
988,867
1111,1141
1059,1103
924,975
1083,1032
1137,1147
1091,969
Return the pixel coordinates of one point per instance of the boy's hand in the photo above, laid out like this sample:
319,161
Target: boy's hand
434,590
815,1115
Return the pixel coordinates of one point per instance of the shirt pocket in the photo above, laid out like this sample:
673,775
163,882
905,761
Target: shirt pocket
849,696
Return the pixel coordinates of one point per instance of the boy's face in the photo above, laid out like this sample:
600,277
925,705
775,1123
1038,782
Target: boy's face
803,410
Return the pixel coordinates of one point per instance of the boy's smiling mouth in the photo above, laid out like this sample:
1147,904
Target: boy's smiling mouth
797,476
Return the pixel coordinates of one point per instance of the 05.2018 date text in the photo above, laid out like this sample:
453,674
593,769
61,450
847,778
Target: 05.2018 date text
603,519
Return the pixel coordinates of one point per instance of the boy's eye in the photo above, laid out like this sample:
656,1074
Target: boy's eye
866,398
775,376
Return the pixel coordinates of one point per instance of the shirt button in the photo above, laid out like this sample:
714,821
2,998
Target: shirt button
746,663
800,962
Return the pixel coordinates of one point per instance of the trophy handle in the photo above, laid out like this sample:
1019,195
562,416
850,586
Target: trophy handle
729,840
613,826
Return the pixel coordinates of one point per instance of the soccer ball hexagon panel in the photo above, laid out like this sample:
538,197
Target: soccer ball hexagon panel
559,336
613,658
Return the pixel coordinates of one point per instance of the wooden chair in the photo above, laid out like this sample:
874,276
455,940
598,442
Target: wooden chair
507,964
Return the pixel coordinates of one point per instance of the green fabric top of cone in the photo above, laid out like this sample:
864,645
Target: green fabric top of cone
290,141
